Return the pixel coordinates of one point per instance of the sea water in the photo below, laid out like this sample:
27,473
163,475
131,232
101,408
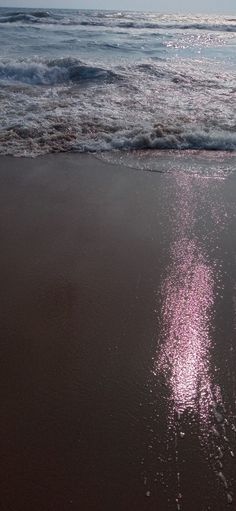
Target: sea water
98,81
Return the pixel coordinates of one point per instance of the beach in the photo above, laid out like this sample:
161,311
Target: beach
109,401
117,261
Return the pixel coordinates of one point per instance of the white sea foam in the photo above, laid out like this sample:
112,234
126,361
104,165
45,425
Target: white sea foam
51,72
115,89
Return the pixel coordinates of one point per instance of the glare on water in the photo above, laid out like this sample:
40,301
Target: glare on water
184,357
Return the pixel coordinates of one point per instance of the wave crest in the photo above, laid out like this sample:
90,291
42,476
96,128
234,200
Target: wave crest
53,71
32,140
161,138
30,17
102,19
179,26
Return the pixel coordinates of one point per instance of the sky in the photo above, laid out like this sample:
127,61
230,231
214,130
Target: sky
209,6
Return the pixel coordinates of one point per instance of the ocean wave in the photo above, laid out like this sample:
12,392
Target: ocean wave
45,17
193,139
162,138
30,17
53,71
204,26
33,141
178,26
103,97
108,20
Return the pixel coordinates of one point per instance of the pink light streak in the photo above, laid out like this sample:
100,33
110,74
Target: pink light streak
184,358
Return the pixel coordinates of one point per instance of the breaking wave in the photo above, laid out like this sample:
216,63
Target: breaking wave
32,141
100,90
166,139
53,71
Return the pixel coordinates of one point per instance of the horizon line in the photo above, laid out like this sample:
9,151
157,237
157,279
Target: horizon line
120,10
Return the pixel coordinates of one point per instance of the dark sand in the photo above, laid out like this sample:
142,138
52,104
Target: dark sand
86,249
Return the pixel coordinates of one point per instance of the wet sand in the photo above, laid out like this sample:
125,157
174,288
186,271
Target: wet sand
118,359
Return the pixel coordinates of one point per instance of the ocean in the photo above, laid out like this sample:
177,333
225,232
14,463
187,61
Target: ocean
106,81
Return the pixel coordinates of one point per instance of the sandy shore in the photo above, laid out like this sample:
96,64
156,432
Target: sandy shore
86,250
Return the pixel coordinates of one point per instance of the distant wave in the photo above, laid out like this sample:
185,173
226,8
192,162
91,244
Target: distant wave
38,17
179,26
53,71
31,17
38,14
